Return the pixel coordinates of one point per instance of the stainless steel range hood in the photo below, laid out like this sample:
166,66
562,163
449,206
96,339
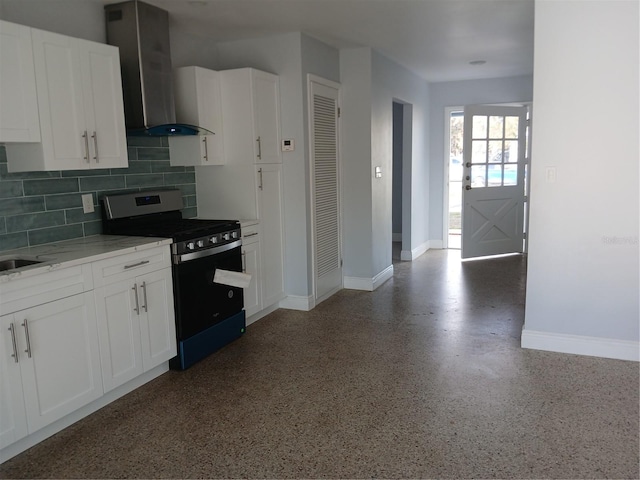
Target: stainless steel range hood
141,32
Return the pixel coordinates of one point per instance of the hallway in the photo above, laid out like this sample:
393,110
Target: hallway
422,378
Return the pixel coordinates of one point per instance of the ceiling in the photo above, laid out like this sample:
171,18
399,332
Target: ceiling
436,39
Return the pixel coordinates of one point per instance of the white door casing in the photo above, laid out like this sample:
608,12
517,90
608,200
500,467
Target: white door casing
494,181
323,96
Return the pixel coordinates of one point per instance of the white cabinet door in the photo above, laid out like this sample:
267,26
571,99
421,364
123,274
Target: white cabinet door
136,323
270,214
60,359
157,320
195,150
19,121
103,104
198,102
13,418
118,333
60,101
251,265
266,116
80,106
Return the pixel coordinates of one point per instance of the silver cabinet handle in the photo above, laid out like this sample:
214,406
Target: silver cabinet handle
86,146
95,147
259,148
250,234
144,295
260,183
206,149
143,262
244,262
135,294
26,333
12,329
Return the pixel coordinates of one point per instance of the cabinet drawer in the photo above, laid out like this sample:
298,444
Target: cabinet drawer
49,286
120,268
250,234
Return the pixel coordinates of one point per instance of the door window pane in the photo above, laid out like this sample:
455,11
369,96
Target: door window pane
479,129
496,127
510,174
479,151
510,151
495,151
478,176
495,176
511,127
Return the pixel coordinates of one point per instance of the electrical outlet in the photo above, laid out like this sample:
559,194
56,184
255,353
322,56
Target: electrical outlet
87,203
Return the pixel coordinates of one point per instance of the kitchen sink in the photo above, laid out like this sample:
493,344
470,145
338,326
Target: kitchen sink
14,263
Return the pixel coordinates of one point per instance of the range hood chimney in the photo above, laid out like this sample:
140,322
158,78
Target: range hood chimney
141,32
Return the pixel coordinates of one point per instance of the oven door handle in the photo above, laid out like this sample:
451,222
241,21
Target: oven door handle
185,257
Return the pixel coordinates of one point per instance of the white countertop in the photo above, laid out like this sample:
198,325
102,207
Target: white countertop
76,252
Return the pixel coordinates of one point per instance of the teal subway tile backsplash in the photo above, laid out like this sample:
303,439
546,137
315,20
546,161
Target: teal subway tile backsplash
31,221
55,234
50,186
44,207
19,205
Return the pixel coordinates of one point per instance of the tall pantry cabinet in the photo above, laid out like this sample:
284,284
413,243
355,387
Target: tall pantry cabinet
249,184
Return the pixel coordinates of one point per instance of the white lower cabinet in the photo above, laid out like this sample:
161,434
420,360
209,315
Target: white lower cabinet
51,357
136,322
251,265
70,335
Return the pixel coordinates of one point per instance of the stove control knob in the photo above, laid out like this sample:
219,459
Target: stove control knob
214,239
191,246
200,243
225,236
234,234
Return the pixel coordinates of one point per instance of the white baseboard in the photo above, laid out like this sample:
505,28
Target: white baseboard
436,244
396,237
298,302
368,284
581,345
410,255
262,313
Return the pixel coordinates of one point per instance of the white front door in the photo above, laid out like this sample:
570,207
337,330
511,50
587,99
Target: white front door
494,180
323,134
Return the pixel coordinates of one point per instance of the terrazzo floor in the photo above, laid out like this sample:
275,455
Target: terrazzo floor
424,378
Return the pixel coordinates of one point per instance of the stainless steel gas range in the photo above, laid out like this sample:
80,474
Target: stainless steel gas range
208,315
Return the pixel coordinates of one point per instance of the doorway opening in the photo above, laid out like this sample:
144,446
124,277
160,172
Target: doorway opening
401,181
453,210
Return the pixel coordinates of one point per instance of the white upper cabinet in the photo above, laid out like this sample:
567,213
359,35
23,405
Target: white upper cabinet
80,105
198,102
251,113
18,100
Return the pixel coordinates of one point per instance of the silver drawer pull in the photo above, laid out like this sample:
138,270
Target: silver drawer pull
26,333
251,234
143,262
95,147
12,329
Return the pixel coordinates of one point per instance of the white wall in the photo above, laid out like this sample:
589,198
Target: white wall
76,18
394,82
355,129
583,281
371,83
453,94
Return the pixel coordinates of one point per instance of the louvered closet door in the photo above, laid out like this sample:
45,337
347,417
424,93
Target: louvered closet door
325,175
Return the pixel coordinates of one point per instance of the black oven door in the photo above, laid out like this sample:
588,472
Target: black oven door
201,303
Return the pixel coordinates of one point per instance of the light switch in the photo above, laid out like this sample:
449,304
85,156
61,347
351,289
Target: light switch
378,172
550,174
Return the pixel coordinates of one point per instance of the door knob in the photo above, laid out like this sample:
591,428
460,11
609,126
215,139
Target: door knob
467,187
